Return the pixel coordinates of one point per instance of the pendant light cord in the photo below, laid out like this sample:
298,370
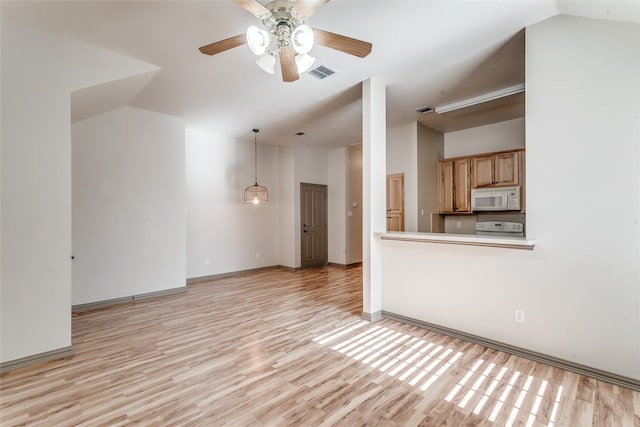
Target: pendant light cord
255,153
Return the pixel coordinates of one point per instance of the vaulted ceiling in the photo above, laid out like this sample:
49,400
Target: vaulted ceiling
428,53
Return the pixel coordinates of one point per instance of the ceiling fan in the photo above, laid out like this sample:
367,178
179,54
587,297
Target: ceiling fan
285,34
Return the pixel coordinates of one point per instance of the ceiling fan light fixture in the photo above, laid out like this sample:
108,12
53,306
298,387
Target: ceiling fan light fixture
267,61
285,34
258,40
304,62
302,39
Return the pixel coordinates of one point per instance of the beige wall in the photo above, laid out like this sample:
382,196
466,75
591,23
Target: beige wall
507,135
354,196
430,150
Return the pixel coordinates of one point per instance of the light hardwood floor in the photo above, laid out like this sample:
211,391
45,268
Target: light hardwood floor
289,348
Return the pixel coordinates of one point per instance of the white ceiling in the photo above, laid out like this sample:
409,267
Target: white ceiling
428,53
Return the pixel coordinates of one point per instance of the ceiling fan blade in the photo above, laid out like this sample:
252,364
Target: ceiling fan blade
305,8
254,7
288,64
343,43
222,45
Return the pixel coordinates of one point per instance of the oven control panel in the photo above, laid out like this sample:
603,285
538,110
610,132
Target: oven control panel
500,226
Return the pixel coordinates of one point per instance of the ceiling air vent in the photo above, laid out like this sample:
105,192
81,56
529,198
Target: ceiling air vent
425,110
321,71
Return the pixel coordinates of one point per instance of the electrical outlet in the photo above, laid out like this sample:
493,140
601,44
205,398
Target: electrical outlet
459,224
206,261
257,255
518,316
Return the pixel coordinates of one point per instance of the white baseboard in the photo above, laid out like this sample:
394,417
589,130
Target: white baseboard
372,317
79,308
36,358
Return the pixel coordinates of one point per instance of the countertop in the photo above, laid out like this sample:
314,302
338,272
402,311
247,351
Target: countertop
460,239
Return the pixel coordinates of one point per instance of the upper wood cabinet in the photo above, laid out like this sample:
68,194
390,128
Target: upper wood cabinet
454,190
457,176
496,170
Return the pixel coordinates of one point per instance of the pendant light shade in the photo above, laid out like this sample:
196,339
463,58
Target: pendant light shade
256,193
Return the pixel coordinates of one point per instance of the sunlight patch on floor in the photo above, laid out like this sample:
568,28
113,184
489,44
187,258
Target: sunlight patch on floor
420,364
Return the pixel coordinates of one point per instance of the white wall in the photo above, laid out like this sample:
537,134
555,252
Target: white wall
287,216
337,201
402,153
35,289
224,233
507,135
583,132
374,171
128,229
580,286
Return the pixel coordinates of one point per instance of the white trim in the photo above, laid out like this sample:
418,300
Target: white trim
47,356
511,90
78,308
461,239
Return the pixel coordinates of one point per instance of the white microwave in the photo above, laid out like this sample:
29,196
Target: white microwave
495,199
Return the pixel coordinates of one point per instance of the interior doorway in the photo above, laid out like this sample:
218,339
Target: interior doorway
314,233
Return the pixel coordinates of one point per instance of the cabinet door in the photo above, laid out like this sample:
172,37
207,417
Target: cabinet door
506,169
445,186
462,185
482,171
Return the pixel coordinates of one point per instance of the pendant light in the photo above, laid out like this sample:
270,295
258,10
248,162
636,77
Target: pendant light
256,193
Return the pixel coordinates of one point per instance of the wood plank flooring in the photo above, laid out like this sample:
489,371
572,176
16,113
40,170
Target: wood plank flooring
279,348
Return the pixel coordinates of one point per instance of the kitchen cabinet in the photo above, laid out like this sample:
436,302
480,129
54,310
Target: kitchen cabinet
496,169
457,176
454,186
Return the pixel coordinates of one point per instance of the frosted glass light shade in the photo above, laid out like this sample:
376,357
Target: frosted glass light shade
302,39
258,40
304,62
267,62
